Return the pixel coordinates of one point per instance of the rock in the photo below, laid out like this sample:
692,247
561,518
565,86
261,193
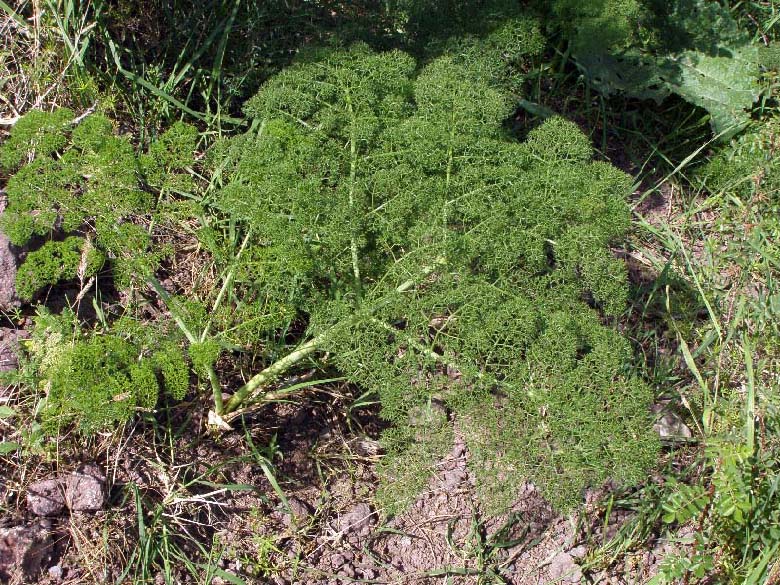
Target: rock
45,498
452,479
55,572
671,425
299,513
563,569
24,552
85,489
578,552
337,560
369,574
357,519
8,259
8,348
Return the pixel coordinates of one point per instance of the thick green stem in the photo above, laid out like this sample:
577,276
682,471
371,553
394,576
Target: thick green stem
216,390
352,179
247,391
274,371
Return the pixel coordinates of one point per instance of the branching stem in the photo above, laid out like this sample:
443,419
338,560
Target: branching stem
248,391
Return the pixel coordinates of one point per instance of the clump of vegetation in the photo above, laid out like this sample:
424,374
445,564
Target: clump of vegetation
77,178
94,379
650,50
370,197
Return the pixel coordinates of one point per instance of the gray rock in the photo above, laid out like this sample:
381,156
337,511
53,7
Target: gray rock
46,498
337,560
8,262
9,347
24,552
55,572
85,489
453,478
563,569
357,519
578,552
671,425
299,513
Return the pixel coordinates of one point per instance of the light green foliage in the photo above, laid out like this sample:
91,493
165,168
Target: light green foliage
56,261
203,356
82,179
168,156
36,134
452,270
497,40
740,510
97,379
743,178
650,49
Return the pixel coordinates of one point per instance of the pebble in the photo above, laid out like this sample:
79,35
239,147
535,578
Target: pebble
45,498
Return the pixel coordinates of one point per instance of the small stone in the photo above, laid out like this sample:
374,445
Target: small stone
337,560
45,498
357,519
563,569
8,260
299,512
347,571
24,552
578,552
348,555
9,347
85,489
671,425
55,572
369,574
452,479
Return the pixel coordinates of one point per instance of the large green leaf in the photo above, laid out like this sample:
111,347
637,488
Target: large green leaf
697,52
725,85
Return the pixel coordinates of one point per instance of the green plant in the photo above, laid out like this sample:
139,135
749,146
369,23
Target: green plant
649,50
391,211
95,379
75,176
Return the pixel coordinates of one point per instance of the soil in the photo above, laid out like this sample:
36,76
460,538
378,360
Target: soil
8,260
213,489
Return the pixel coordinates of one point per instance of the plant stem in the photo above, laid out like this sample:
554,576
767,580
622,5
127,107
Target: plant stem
269,374
225,284
274,370
352,178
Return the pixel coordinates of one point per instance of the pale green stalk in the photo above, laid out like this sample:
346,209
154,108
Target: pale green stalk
247,392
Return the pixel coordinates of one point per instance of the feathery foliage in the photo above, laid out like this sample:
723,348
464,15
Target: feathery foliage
77,177
454,271
97,379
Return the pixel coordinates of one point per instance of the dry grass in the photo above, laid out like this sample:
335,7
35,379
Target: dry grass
35,71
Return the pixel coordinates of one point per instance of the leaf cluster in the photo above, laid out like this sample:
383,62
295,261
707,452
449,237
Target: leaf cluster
95,379
650,49
77,178
450,269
